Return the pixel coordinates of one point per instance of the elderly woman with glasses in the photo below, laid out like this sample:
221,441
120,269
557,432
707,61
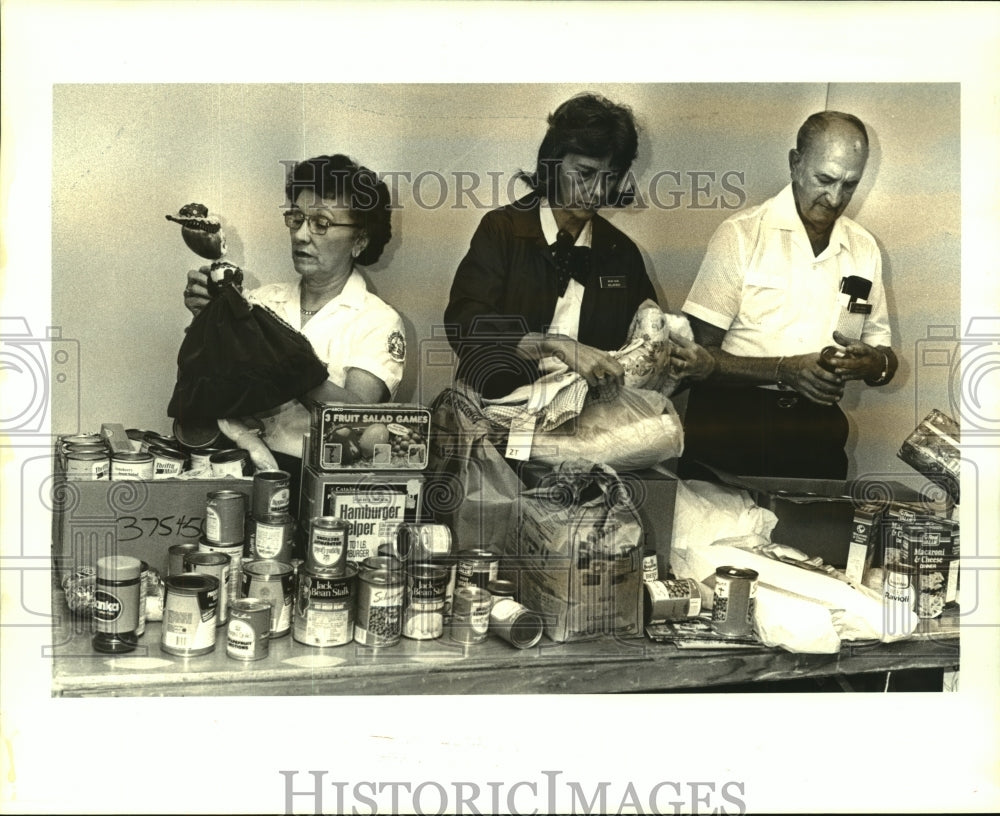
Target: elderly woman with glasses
338,218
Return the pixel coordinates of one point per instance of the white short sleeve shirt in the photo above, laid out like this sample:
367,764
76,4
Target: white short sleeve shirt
356,329
760,282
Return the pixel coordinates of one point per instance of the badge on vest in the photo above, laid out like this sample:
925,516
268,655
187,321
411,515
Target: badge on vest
612,281
860,308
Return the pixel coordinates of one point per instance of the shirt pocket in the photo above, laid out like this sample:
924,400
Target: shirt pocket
764,298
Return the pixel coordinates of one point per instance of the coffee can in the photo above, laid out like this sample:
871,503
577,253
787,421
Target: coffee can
381,589
248,634
671,600
175,556
232,462
225,517
735,601
423,542
518,625
272,538
167,463
470,615
131,467
87,467
271,493
327,546
271,581
190,608
217,564
324,608
477,568
423,613
116,603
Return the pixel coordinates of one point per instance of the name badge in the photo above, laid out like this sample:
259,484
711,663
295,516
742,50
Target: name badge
860,308
612,281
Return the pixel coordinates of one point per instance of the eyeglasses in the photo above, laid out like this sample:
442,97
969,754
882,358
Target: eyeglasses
318,225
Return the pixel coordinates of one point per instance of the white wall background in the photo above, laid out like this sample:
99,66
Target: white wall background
125,155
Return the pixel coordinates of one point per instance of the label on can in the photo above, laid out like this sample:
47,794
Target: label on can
248,634
650,567
235,553
225,517
470,615
189,614
131,467
735,601
271,493
87,467
272,538
324,609
477,568
328,544
671,600
271,581
379,620
423,617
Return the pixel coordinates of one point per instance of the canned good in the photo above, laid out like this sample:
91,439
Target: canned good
201,459
82,439
196,434
423,542
135,436
650,566
90,447
830,357
470,615
140,630
219,565
671,600
381,586
235,553
151,439
327,546
271,581
382,562
167,462
175,556
132,466
272,538
477,568
501,588
423,614
449,563
232,462
390,549
272,493
898,598
735,601
116,604
190,609
248,635
225,517
515,623
324,608
87,467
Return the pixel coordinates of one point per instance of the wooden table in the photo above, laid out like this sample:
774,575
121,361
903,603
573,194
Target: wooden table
606,665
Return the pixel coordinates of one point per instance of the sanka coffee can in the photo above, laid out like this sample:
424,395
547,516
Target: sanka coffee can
190,608
248,636
379,618
326,549
324,608
735,601
271,581
272,538
225,517
271,493
116,604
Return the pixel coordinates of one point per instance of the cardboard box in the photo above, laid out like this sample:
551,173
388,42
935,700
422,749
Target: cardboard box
578,561
817,515
142,519
388,436
374,503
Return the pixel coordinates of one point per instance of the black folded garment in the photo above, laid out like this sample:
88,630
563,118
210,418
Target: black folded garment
239,359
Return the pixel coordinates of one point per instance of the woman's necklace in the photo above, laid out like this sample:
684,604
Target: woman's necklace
307,313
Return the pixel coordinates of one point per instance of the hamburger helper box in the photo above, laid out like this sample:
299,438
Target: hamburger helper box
375,503
142,519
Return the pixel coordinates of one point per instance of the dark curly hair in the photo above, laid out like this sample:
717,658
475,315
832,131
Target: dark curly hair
339,177
591,125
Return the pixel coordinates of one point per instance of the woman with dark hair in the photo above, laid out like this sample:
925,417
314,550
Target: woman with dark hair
546,275
338,218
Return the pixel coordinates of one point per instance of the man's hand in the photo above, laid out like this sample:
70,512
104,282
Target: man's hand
807,376
858,361
597,367
688,359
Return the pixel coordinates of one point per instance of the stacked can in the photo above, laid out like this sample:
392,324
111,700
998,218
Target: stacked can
272,529
84,457
326,586
225,532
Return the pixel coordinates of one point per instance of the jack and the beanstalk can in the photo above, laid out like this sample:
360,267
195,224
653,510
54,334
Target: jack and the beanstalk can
734,602
324,608
423,614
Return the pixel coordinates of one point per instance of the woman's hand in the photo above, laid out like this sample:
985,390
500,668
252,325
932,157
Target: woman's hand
196,291
597,367
688,359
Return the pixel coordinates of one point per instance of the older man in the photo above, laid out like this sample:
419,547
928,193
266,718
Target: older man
778,283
